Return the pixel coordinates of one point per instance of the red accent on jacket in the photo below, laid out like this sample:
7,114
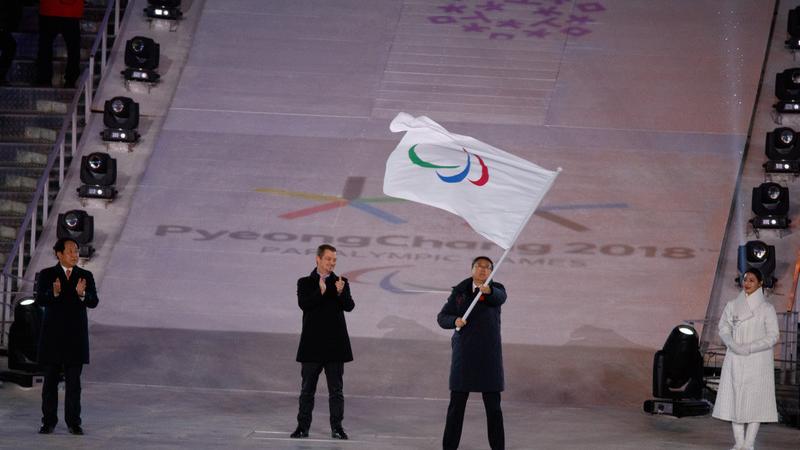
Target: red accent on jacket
61,8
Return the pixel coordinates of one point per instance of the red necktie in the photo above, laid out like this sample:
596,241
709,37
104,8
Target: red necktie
69,272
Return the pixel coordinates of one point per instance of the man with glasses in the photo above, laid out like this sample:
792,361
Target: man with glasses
477,361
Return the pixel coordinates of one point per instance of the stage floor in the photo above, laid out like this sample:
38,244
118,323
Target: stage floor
276,141
124,416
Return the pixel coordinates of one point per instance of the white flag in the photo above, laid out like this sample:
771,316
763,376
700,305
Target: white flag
494,191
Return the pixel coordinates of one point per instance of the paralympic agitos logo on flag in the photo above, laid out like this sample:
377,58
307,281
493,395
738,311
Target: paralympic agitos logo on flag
457,177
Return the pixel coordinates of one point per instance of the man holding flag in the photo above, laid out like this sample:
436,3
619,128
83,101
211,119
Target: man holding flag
496,193
477,361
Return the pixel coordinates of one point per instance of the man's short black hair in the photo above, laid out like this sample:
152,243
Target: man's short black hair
321,249
62,242
478,258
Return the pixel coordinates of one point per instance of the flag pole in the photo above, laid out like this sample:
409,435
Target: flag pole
502,258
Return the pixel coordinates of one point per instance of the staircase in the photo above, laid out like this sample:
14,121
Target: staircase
31,117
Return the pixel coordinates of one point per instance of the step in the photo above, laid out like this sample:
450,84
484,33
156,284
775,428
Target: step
23,152
21,178
13,207
23,71
13,222
5,248
32,127
36,99
28,45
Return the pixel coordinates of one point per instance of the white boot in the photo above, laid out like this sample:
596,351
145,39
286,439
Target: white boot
750,436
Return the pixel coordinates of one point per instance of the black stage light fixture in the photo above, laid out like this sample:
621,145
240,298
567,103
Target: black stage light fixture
783,150
121,116
141,58
23,340
770,204
787,89
164,9
98,175
793,28
23,335
757,255
678,376
78,225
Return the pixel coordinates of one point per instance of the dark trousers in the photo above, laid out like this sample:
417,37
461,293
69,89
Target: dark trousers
8,49
70,29
455,420
72,399
310,371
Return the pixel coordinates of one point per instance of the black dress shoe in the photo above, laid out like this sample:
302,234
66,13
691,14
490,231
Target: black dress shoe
299,433
76,430
46,429
338,433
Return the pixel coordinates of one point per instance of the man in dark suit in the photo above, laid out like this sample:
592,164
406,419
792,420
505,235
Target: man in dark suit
477,361
65,291
59,17
324,297
10,15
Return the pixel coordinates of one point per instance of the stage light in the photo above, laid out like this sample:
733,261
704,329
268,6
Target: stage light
783,150
23,340
98,173
141,58
121,116
757,255
793,28
770,204
78,225
787,89
678,376
23,335
164,9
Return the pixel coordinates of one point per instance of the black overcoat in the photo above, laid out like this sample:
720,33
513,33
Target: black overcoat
324,337
477,361
64,336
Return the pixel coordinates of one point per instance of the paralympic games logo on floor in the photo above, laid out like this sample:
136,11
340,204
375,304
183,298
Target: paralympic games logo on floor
388,283
458,177
520,19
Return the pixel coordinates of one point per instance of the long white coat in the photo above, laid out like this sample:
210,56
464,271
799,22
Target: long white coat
747,384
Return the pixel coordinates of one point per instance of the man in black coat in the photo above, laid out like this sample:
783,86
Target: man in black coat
324,297
10,15
477,361
65,291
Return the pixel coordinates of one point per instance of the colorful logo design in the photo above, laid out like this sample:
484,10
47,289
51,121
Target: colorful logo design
458,177
354,187
351,196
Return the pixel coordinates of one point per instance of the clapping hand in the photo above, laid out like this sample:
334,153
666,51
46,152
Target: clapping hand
339,285
56,287
81,287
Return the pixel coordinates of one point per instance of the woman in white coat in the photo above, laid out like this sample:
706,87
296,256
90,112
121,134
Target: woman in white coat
749,329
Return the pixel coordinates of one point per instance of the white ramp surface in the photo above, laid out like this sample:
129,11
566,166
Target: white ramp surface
278,135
